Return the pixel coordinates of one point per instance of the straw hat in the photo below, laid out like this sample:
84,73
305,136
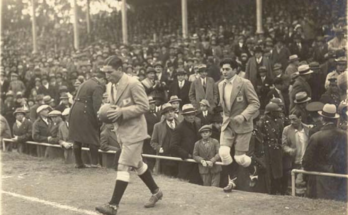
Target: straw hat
301,97
188,109
329,111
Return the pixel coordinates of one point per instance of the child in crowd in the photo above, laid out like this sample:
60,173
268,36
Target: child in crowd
206,152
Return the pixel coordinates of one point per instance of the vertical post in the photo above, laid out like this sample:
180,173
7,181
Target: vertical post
124,22
33,22
76,27
88,20
259,28
184,19
293,183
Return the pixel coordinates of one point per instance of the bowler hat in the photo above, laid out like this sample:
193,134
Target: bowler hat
188,109
277,101
205,128
166,107
314,65
180,72
258,49
329,111
314,106
174,99
262,69
301,97
293,58
304,70
63,89
64,96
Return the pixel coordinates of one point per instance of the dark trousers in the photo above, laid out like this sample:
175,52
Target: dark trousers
94,155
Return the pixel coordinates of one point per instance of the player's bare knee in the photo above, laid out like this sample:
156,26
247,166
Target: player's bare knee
243,160
224,152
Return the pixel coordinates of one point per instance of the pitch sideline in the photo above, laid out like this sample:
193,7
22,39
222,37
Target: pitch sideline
52,204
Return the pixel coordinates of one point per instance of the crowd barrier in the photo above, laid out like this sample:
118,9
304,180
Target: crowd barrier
108,159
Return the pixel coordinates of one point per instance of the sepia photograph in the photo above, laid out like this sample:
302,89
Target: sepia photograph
175,107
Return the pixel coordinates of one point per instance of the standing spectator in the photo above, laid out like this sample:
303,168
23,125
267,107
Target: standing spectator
239,102
162,136
9,107
278,92
338,43
317,123
64,103
22,130
298,47
42,126
319,50
341,65
332,94
294,62
301,83
280,54
16,85
180,87
182,144
203,88
253,66
206,153
4,84
317,81
294,142
327,152
175,102
33,109
205,115
263,85
271,133
84,125
301,100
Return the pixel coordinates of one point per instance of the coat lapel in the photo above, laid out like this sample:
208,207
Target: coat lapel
200,87
121,87
237,84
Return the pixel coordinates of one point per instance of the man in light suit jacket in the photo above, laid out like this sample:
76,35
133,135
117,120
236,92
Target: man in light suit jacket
203,88
239,102
130,104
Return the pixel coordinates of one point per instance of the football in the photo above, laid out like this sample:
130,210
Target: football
103,111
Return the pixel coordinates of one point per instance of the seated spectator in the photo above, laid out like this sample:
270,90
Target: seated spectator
22,130
175,102
64,103
206,153
42,126
8,108
163,134
327,152
205,115
32,112
56,117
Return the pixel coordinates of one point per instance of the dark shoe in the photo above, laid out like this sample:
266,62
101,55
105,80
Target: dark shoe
153,199
107,209
231,185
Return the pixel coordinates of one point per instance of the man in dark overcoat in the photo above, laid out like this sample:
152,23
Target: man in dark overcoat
183,142
327,152
84,124
180,87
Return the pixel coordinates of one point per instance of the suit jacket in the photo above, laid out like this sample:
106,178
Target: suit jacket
84,126
302,53
282,57
41,131
207,153
108,139
160,134
244,101
205,120
32,113
197,93
23,132
289,141
290,69
183,93
251,72
300,85
133,104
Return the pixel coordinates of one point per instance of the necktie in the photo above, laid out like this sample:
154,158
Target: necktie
112,94
181,84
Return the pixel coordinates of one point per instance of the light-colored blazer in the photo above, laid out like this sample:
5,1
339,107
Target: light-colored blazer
244,101
132,101
197,93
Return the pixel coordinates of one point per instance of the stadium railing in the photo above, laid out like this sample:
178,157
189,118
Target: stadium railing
108,158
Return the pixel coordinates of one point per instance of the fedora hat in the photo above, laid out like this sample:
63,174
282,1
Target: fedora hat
180,72
293,58
277,66
64,96
204,102
329,111
47,99
258,49
174,99
314,106
301,97
341,60
19,110
304,70
166,107
188,109
41,108
205,128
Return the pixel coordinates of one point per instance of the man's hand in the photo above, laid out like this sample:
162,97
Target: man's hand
209,163
15,138
239,119
204,163
161,151
114,114
49,139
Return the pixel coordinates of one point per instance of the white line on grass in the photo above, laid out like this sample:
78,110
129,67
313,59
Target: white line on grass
53,204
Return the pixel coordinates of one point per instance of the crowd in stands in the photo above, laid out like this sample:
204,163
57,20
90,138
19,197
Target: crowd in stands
298,67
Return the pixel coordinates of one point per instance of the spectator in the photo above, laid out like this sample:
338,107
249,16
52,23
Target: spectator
280,54
313,108
203,88
181,87
63,135
33,109
182,144
332,94
175,102
276,92
205,115
206,153
263,85
22,130
162,136
64,103
301,83
5,130
327,152
8,108
4,84
341,65
16,85
42,126
338,43
301,101
294,62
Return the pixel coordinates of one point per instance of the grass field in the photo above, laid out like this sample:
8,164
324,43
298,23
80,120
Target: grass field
35,186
